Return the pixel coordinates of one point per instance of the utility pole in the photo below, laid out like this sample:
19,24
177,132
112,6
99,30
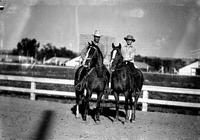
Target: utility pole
77,25
2,28
2,35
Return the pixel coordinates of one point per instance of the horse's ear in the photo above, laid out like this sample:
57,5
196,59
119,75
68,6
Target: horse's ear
120,45
93,44
89,44
113,46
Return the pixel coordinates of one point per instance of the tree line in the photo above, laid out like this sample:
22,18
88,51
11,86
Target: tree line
170,65
32,48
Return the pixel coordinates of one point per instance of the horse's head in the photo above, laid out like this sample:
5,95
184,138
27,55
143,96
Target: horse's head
116,57
93,56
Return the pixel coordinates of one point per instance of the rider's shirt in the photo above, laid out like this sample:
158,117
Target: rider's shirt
128,53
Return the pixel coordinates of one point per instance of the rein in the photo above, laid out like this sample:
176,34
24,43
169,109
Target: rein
97,65
120,65
84,78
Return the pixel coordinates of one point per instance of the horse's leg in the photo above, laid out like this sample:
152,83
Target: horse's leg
79,93
77,109
78,100
86,106
136,96
117,105
98,105
131,106
126,94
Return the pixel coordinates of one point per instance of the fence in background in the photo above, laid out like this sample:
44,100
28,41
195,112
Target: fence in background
144,100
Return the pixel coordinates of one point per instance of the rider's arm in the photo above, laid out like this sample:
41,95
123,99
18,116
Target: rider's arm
103,50
84,51
132,54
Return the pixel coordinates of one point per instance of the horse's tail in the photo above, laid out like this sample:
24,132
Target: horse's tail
107,89
139,79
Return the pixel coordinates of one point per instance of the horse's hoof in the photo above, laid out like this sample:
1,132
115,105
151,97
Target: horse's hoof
126,120
97,121
97,118
132,121
84,118
115,120
78,115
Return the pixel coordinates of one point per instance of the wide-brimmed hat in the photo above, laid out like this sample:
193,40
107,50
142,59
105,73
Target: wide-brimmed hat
129,37
97,33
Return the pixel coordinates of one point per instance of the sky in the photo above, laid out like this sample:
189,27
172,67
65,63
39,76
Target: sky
162,28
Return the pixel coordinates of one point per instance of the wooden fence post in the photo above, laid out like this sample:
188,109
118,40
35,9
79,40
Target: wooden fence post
33,87
145,98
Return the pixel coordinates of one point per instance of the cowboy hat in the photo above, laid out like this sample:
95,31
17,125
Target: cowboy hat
97,33
129,37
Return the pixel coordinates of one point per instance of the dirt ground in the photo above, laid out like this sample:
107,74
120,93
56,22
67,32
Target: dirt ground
22,119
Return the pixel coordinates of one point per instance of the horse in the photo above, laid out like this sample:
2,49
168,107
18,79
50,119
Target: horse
124,81
93,77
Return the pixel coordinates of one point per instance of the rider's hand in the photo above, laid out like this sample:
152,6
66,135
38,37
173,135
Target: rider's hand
109,65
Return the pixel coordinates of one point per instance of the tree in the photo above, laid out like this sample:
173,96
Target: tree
66,53
27,47
47,51
50,50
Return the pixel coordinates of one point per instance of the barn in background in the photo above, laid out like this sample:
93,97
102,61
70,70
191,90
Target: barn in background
191,69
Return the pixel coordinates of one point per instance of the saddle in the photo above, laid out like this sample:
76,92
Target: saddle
135,73
131,67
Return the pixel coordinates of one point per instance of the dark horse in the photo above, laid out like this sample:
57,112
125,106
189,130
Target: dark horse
93,77
125,81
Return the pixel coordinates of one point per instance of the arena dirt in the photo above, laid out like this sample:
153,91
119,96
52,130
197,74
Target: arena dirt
22,119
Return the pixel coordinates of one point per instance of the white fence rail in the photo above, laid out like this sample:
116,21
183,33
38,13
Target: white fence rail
144,100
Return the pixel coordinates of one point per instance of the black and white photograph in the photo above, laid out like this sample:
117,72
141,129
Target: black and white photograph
99,69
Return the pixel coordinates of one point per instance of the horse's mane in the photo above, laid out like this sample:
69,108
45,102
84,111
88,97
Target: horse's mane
99,52
121,58
99,67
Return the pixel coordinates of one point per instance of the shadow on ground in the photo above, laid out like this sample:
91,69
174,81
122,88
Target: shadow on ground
104,111
45,127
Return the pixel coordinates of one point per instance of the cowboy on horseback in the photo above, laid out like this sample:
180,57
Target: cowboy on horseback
125,78
96,41
96,44
92,76
128,53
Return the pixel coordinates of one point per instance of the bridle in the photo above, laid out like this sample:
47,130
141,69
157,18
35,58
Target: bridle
86,57
113,57
112,60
